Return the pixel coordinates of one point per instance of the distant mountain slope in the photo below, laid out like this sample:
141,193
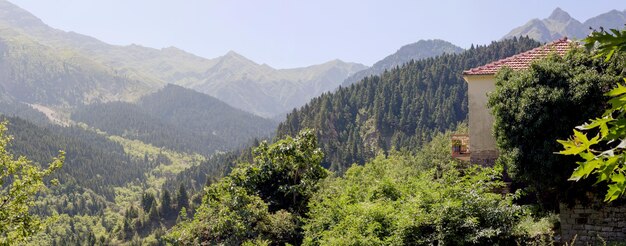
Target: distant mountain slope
178,119
267,91
560,24
232,78
34,73
416,51
205,115
401,108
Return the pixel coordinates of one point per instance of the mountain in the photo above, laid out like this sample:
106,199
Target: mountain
38,74
399,109
416,51
560,24
179,119
205,115
266,91
231,78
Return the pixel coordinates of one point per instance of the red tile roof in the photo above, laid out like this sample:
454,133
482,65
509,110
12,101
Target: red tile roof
523,60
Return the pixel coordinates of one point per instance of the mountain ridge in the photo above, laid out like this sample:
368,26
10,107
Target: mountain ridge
171,65
415,51
560,24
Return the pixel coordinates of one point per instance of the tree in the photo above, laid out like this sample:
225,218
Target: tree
604,154
285,173
147,200
166,203
534,107
20,180
261,201
401,108
182,199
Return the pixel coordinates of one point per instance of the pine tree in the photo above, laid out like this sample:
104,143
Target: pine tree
182,199
166,204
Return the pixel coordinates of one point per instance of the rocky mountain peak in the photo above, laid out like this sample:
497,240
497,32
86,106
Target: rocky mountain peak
559,15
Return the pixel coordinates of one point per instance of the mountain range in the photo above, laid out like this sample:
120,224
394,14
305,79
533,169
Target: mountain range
416,51
560,24
128,72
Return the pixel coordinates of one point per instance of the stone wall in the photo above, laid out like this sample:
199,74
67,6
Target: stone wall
485,158
593,224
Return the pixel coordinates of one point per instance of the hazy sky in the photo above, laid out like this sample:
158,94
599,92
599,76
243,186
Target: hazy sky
290,33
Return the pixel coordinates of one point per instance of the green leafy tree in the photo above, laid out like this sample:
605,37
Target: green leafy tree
285,173
534,107
20,180
258,202
601,142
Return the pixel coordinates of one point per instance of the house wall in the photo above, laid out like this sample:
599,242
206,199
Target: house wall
593,224
482,142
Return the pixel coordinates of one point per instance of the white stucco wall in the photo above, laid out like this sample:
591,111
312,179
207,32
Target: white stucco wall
480,118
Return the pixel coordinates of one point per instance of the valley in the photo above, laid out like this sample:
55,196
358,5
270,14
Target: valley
161,146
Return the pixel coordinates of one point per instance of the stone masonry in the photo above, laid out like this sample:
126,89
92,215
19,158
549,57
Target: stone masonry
484,158
593,224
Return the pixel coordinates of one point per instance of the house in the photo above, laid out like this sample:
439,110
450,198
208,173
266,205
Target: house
585,224
481,81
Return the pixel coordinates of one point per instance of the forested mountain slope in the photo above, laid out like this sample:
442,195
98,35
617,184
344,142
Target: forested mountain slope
91,160
178,119
400,108
416,51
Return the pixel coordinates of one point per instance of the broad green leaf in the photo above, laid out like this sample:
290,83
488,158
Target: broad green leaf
584,169
617,91
613,193
617,103
598,122
607,169
570,147
618,178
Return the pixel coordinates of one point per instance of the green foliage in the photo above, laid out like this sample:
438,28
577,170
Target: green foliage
603,154
401,108
285,173
20,181
422,199
261,201
534,107
607,43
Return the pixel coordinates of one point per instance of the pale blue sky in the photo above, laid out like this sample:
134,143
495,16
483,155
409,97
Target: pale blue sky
290,33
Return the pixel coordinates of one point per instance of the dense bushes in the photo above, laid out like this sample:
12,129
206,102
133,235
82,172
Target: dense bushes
414,200
402,199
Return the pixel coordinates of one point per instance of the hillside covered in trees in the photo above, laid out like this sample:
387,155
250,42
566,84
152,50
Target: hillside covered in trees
179,119
401,108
